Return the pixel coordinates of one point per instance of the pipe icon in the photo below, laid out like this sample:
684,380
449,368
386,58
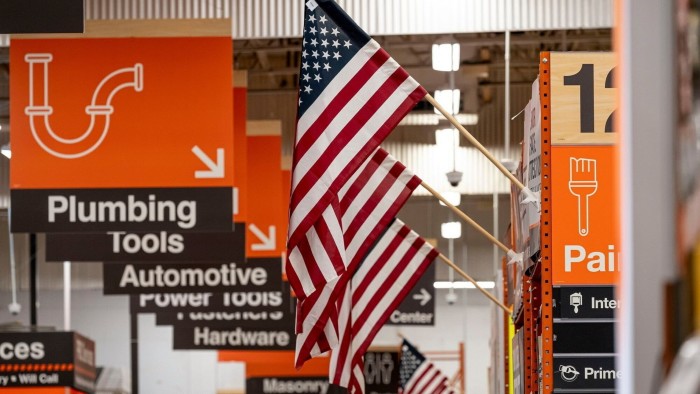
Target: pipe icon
100,108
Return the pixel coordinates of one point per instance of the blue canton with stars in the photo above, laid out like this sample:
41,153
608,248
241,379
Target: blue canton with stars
411,359
330,40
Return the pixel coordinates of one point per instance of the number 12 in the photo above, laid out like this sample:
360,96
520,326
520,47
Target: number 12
584,79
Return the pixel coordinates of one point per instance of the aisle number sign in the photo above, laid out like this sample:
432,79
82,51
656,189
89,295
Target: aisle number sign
584,217
106,113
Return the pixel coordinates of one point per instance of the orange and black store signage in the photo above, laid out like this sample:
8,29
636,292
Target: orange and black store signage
47,359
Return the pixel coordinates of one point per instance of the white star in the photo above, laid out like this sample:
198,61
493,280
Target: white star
347,44
307,89
324,31
335,32
304,53
312,30
325,55
316,66
317,78
324,43
303,42
326,66
314,54
314,42
323,19
312,18
300,101
336,44
305,65
336,55
306,77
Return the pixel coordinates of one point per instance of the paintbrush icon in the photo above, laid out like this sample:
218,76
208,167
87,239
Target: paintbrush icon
583,183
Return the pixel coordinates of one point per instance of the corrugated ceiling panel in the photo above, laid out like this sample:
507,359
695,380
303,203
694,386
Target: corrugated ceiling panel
158,9
392,17
282,18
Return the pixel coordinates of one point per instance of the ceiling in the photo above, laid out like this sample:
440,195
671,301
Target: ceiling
272,66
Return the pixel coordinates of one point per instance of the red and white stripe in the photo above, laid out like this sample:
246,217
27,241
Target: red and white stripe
427,379
369,202
386,276
354,113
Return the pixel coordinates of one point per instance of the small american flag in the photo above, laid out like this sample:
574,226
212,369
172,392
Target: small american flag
351,96
368,203
386,276
418,375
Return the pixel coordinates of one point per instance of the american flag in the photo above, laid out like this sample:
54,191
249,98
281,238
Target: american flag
351,96
386,276
368,203
418,375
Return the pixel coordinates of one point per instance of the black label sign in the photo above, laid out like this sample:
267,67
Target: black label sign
234,337
280,385
589,373
381,372
156,246
585,302
418,308
584,337
174,210
171,303
251,309
39,16
35,359
253,275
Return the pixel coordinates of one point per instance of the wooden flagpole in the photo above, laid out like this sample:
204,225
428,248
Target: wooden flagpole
466,218
469,278
474,142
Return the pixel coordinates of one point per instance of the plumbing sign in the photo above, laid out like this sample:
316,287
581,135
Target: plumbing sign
121,113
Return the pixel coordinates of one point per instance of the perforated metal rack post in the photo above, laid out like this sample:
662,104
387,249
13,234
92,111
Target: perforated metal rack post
546,322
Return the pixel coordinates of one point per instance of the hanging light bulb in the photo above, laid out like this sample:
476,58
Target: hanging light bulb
446,56
451,230
449,99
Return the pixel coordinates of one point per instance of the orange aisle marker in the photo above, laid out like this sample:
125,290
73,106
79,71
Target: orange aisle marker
266,210
583,238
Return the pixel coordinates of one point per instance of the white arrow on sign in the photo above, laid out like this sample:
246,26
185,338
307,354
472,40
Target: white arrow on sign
267,240
424,297
216,170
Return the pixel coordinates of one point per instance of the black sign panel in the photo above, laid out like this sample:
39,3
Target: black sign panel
171,303
276,385
157,246
176,210
418,308
36,359
41,16
584,337
235,337
381,372
585,302
253,275
589,373
245,309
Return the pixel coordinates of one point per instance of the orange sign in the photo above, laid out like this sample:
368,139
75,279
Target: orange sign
121,112
240,158
584,241
267,212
